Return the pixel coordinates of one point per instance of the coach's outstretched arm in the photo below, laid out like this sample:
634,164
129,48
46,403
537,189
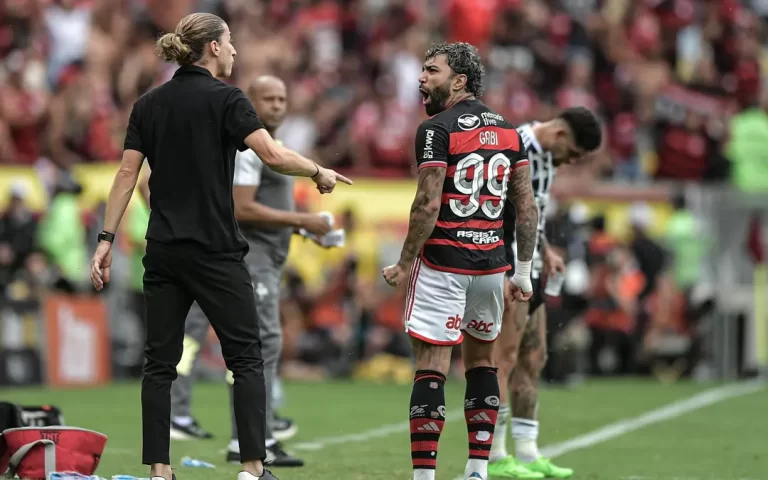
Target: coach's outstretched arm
248,171
288,162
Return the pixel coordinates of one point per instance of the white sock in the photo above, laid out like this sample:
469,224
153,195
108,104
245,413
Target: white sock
476,465
499,445
234,445
423,474
525,432
183,421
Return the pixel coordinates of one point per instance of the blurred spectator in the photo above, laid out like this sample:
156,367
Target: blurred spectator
23,106
600,242
67,24
666,75
80,127
385,114
748,132
688,244
612,313
32,280
62,236
18,229
650,255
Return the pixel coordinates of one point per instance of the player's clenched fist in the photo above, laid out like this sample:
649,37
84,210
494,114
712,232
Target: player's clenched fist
519,286
394,274
516,288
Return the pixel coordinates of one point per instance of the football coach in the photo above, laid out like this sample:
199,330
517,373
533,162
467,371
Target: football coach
189,129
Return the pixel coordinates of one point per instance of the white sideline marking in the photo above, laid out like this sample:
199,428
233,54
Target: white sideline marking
608,432
378,432
667,412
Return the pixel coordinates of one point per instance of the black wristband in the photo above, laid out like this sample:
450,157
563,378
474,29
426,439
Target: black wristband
106,236
318,171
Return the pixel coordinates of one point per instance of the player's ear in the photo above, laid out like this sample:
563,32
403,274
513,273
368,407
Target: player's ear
459,82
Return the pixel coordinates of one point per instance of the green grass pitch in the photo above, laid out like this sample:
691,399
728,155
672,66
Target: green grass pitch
724,441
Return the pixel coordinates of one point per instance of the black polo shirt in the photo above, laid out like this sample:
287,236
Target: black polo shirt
189,129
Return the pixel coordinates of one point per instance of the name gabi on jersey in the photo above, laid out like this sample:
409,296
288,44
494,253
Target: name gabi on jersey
428,152
488,138
479,238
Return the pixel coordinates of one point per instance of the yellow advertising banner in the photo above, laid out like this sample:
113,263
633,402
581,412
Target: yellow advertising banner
26,178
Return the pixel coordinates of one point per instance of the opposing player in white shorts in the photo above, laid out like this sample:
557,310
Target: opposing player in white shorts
454,251
521,350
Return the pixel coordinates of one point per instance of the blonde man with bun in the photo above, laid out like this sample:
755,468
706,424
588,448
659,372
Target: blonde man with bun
189,130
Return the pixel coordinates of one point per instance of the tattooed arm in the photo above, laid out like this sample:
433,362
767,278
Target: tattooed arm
526,215
432,160
424,211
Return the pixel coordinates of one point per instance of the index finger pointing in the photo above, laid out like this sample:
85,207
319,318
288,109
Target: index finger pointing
341,178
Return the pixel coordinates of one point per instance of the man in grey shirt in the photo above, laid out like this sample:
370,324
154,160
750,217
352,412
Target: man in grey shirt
264,209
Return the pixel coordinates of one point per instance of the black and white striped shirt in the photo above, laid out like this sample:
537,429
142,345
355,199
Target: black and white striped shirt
542,178
542,171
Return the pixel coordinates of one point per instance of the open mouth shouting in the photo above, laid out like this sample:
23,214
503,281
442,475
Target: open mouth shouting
425,97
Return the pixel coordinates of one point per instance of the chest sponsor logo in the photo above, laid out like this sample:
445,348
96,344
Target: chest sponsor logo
479,238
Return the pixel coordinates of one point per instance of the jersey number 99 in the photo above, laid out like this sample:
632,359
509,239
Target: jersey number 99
473,186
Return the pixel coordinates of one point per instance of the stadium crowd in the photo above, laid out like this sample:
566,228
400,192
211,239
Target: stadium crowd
679,84
665,74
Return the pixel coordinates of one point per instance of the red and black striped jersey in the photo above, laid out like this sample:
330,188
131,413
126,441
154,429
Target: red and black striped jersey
479,149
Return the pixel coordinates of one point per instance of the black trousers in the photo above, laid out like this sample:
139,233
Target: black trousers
174,277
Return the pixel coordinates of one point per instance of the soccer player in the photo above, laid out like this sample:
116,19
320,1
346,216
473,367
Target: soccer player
454,250
521,351
264,210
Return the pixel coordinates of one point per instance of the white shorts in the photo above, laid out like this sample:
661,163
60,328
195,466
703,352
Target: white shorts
441,305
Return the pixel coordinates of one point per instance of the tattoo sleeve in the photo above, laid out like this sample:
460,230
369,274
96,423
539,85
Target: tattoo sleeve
424,211
526,214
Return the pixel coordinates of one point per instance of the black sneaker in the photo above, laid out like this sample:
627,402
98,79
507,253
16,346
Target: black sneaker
276,457
189,432
281,458
284,428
